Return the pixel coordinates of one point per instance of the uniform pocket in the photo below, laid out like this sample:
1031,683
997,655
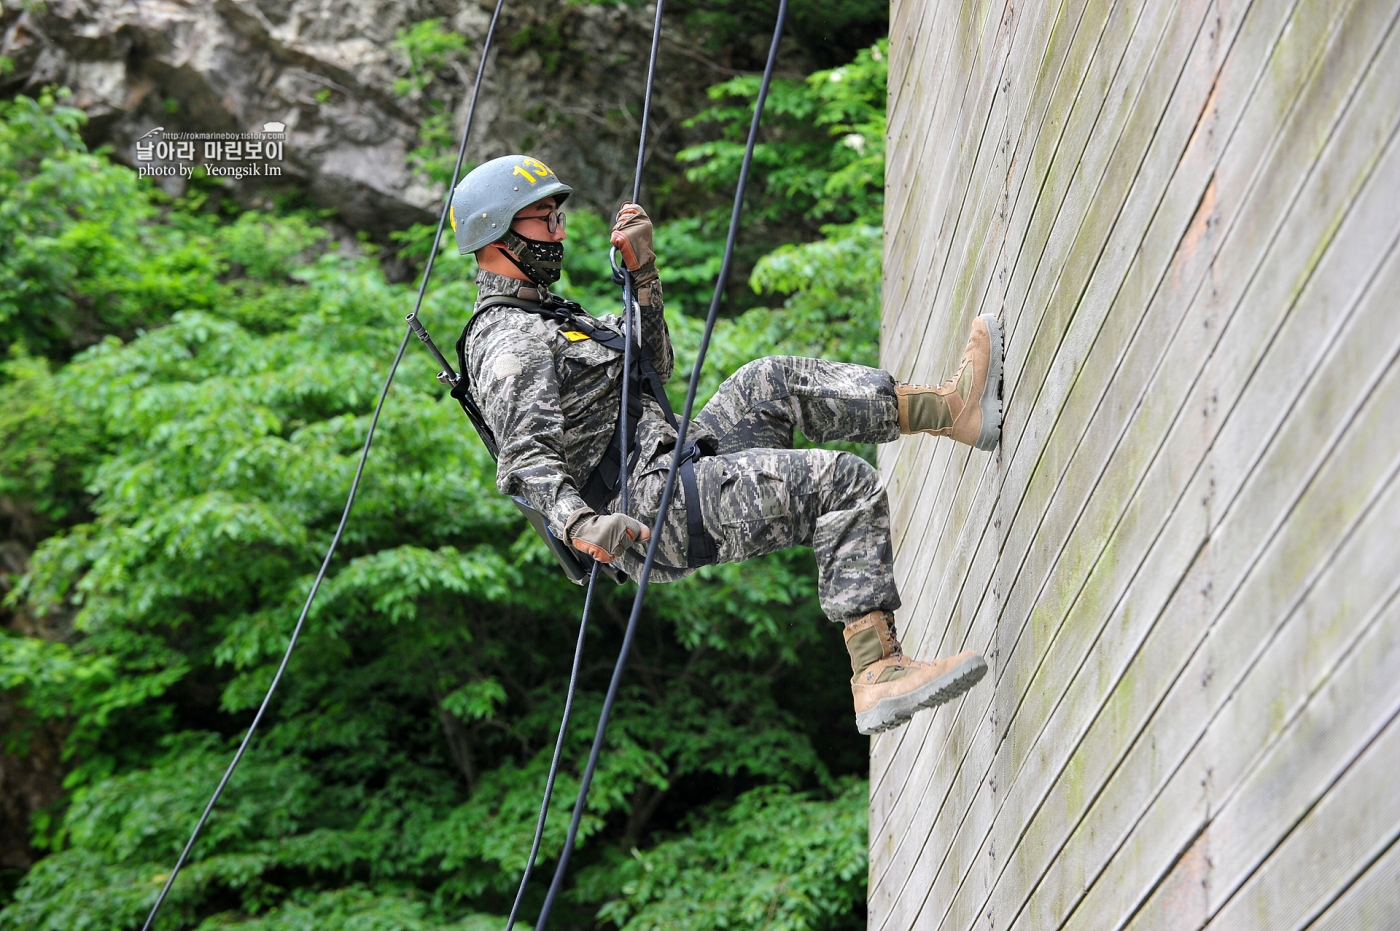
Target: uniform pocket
747,508
750,496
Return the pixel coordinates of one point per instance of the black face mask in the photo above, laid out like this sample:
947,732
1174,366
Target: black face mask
541,261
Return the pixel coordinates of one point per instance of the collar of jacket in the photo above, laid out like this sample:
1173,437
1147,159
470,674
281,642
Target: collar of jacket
490,284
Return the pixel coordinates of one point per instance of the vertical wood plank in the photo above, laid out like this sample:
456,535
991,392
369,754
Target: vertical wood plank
1185,214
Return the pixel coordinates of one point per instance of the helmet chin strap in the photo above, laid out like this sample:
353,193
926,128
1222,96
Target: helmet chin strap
510,257
540,262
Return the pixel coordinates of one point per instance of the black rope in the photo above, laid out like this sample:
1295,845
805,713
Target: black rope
558,750
668,492
623,435
350,499
646,103
296,632
628,288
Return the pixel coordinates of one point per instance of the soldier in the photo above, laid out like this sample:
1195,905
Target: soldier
547,379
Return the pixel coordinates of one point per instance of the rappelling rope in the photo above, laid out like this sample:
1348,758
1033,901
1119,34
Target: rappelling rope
623,434
558,750
354,487
644,579
628,289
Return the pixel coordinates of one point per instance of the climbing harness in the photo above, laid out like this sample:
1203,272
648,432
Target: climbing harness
620,455
609,476
610,473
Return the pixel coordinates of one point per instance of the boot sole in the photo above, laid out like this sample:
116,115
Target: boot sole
898,709
990,434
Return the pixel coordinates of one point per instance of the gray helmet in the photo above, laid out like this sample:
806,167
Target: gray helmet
492,193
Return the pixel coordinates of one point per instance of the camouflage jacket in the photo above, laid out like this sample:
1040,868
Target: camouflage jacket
552,399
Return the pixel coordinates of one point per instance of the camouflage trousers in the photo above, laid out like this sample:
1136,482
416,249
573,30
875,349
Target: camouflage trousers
759,495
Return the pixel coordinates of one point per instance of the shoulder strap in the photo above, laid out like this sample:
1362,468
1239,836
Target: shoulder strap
574,564
462,391
598,489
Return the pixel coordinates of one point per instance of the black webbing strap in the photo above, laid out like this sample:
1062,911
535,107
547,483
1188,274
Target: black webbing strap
701,549
462,392
602,484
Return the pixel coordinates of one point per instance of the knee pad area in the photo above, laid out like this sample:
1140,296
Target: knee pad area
763,379
850,479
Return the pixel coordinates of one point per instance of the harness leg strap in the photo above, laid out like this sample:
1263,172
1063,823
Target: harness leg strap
701,547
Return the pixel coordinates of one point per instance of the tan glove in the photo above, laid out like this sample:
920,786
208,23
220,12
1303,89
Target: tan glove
603,536
632,236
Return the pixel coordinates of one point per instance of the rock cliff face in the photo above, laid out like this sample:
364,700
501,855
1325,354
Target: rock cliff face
564,82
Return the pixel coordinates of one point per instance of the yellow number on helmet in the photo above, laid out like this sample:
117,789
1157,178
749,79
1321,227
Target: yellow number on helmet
540,169
524,174
452,215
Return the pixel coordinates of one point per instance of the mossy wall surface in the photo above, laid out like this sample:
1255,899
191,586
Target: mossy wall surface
1182,562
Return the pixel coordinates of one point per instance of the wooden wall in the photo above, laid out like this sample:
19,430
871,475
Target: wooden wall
1182,563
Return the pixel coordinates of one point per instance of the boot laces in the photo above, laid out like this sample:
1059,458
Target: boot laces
947,385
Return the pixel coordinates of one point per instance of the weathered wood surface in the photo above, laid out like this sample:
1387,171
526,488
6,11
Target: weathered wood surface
1183,562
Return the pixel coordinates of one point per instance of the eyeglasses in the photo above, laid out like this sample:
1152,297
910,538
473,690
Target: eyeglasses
554,220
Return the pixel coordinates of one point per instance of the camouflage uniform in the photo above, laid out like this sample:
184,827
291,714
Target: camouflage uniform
552,403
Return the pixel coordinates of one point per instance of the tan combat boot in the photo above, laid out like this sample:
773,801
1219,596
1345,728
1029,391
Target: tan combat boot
966,407
888,686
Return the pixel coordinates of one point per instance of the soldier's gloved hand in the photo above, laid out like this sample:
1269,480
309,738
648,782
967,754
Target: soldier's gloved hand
603,536
632,236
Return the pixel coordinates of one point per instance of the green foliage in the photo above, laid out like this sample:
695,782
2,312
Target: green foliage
359,908
49,447
413,729
189,464
822,158
89,251
428,48
822,152
66,223
545,39
774,859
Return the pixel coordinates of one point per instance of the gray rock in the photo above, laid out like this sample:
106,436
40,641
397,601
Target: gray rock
565,83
